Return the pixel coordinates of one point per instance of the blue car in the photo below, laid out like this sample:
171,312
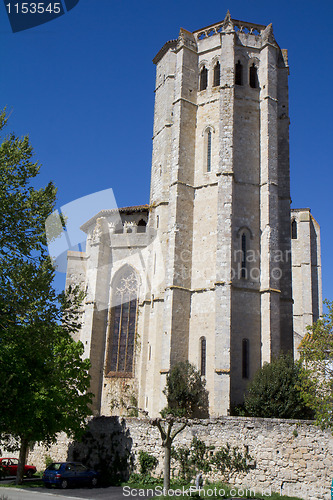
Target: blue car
65,474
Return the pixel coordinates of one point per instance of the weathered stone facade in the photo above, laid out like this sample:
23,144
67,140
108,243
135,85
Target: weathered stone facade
211,253
292,457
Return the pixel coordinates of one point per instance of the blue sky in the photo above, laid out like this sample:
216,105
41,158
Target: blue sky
82,87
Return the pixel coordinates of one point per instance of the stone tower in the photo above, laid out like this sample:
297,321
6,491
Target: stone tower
205,269
220,190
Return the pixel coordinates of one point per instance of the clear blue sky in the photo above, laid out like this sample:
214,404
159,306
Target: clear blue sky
82,87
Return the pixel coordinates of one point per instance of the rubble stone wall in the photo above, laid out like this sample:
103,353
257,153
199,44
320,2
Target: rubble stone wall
292,457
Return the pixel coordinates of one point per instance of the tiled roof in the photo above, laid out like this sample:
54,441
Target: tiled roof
105,213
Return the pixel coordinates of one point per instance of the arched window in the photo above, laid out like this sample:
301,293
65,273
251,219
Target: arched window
209,150
120,357
217,71
142,224
203,79
254,83
294,230
238,73
244,251
203,356
245,358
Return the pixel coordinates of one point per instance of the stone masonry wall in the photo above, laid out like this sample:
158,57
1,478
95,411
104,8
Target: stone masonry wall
293,457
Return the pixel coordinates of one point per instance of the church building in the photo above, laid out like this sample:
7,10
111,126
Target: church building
217,269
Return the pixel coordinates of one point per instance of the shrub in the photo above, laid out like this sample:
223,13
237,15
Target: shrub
273,391
231,460
192,460
48,460
185,391
147,463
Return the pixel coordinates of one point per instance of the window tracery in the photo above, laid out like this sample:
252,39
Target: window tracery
123,325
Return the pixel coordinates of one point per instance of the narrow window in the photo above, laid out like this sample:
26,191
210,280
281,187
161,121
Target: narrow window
244,249
209,150
142,226
245,358
217,75
294,230
254,77
238,73
203,356
203,78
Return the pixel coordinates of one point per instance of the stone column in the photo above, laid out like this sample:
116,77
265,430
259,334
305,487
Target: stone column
96,306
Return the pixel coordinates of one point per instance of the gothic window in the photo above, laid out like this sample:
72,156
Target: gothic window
245,358
294,230
123,325
209,150
203,356
142,226
217,75
244,251
254,77
238,73
203,79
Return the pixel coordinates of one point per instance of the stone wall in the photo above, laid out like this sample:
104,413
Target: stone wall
290,456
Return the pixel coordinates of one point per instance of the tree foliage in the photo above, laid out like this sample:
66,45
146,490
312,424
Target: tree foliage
316,375
274,391
185,391
187,397
44,379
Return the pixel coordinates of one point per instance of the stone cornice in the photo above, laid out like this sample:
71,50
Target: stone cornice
185,100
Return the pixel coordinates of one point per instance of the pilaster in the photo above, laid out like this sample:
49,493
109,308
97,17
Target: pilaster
181,195
269,207
224,226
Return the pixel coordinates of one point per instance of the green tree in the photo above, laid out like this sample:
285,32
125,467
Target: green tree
44,379
185,392
187,398
274,391
316,375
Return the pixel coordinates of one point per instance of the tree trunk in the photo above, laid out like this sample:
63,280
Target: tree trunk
167,466
22,459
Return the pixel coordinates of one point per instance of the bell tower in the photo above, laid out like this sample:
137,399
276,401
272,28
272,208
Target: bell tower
220,200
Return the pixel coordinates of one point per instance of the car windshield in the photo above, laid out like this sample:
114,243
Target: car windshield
54,466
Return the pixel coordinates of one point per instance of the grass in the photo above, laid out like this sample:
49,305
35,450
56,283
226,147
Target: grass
35,482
